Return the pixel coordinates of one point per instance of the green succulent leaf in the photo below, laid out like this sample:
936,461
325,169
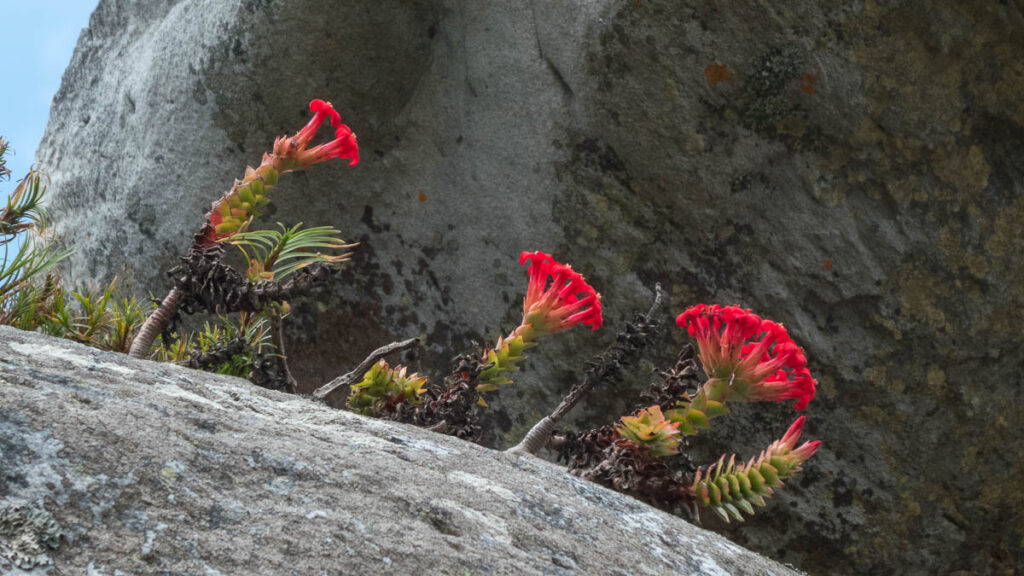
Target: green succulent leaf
651,431
383,388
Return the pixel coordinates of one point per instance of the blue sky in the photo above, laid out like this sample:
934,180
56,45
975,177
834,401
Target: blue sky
37,38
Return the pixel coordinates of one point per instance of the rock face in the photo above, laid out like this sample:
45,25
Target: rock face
852,169
137,467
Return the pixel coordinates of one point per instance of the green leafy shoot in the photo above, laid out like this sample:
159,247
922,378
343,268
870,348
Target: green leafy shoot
82,318
254,328
31,260
127,317
23,210
278,254
92,316
23,216
28,307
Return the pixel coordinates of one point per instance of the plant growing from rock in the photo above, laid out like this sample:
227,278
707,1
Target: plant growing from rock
24,219
32,295
746,359
557,299
280,264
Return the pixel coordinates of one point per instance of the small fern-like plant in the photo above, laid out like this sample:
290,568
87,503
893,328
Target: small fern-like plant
275,255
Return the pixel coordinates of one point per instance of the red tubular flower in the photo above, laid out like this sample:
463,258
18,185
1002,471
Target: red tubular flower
291,153
232,212
755,357
344,145
321,111
567,301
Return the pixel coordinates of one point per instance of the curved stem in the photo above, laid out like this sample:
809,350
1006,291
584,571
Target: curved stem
441,427
537,438
331,391
155,324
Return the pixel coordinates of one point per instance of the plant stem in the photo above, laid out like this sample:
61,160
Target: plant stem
155,324
277,334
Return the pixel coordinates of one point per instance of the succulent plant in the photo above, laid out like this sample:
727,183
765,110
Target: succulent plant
383,389
651,432
728,488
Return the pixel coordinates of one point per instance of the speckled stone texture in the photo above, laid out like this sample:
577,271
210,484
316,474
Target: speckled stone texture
852,169
151,468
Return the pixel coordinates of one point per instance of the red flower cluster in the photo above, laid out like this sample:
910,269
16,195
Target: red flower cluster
756,357
567,301
291,153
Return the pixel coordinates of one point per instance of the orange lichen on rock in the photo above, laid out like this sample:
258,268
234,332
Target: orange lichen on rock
809,83
716,73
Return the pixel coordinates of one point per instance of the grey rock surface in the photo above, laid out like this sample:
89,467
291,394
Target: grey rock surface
152,468
852,169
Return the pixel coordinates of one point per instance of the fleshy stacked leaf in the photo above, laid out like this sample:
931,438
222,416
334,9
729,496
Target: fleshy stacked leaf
383,388
731,489
501,360
232,212
696,414
651,432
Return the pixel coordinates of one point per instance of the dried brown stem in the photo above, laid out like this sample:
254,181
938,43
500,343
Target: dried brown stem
329,392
